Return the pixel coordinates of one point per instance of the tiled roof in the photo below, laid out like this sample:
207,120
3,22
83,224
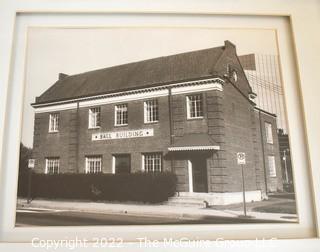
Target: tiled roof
146,73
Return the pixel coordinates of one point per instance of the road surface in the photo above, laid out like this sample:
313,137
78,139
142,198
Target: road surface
47,217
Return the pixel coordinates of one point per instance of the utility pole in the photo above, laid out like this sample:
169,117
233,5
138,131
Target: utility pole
30,167
241,160
244,192
285,166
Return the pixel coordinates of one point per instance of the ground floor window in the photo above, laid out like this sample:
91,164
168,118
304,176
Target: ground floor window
272,166
52,165
121,164
152,162
93,164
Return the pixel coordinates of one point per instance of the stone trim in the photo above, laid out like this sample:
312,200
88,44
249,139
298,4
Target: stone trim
139,94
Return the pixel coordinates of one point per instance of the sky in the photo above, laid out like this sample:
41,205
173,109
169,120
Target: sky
51,51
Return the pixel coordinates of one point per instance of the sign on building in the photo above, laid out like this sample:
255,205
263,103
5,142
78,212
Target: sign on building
31,163
241,158
122,134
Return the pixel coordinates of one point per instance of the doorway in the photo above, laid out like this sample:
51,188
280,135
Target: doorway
199,174
122,163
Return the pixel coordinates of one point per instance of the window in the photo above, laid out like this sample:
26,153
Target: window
269,136
151,113
52,165
194,106
152,162
93,164
234,76
94,118
272,166
121,163
54,122
121,114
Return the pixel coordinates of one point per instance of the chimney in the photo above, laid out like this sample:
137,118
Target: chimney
228,44
62,76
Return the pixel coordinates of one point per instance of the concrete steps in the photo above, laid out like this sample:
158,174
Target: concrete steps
193,201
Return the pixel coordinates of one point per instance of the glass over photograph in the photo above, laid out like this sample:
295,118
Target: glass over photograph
154,126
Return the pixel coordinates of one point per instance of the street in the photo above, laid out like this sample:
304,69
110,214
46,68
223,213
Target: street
48,217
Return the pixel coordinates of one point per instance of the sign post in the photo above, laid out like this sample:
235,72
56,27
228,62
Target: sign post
241,160
30,167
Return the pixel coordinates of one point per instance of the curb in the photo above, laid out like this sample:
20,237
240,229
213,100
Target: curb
145,213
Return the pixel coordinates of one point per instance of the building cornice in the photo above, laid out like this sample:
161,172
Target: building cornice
264,112
131,95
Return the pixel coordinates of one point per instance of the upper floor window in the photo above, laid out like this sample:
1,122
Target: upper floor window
94,118
54,122
194,106
121,114
93,164
151,111
269,135
52,165
152,162
272,166
234,76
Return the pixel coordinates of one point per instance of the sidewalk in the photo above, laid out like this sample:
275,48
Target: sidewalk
159,210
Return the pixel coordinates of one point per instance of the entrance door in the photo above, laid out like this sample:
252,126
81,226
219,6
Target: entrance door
122,163
199,174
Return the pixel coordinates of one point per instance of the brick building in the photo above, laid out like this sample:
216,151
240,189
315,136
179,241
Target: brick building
188,113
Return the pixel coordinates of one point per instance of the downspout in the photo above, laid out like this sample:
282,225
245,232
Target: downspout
171,126
78,137
170,115
263,154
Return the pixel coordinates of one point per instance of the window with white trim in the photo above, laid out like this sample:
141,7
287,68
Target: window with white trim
54,122
121,114
269,135
272,166
52,165
151,111
93,164
152,162
194,106
94,118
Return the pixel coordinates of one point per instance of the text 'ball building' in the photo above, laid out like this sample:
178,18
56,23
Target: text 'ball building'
188,113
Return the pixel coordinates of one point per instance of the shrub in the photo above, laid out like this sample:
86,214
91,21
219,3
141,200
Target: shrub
25,154
141,187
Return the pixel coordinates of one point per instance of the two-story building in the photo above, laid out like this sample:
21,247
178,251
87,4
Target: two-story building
188,113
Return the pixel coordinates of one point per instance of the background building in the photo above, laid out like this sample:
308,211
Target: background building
188,113
263,73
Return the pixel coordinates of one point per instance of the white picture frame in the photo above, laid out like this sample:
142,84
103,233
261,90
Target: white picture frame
298,20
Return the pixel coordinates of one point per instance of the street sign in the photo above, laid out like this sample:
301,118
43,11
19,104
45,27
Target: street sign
31,163
241,158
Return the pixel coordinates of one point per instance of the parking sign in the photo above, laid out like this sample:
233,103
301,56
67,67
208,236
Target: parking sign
31,163
241,158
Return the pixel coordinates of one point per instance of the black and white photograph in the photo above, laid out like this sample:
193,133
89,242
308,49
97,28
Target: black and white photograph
154,126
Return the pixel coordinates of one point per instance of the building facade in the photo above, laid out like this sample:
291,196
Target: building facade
188,113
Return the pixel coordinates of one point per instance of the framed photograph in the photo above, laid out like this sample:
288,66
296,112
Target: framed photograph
160,126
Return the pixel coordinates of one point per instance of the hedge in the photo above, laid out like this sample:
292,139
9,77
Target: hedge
141,187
